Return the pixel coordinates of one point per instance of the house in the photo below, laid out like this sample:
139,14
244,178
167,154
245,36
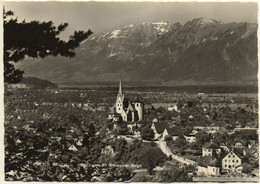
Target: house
173,107
190,138
139,124
211,130
193,132
79,142
56,138
246,129
108,150
231,162
251,143
190,170
79,105
72,148
173,132
208,170
190,117
18,141
224,147
209,166
130,127
155,120
209,149
239,144
158,128
253,152
86,104
114,117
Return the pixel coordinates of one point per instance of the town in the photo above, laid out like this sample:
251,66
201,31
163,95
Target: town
131,135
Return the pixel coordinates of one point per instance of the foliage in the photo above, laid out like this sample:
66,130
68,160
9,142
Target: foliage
220,137
36,40
173,175
168,138
151,157
147,133
202,137
59,118
247,168
180,142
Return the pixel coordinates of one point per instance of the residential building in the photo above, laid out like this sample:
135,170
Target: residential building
158,128
209,149
190,138
209,166
239,144
162,129
173,132
72,148
208,170
173,107
224,147
231,162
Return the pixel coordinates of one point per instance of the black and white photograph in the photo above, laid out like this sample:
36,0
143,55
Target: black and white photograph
102,91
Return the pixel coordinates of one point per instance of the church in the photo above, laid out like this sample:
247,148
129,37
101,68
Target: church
125,110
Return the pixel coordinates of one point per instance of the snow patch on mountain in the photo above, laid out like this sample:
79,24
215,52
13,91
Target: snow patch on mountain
160,23
115,33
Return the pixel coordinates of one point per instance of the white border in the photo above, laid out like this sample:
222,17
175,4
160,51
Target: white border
1,69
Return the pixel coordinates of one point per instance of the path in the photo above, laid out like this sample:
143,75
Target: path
166,150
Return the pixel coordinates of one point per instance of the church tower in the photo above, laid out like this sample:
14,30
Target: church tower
139,107
119,106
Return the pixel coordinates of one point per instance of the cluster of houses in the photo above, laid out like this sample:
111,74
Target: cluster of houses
222,159
163,129
215,159
218,159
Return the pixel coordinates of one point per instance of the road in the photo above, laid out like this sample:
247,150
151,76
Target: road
166,150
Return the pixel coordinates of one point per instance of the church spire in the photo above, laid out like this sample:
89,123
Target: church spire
120,87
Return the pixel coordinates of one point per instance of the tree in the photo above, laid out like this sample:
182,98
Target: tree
150,167
168,138
36,40
180,141
220,137
85,142
247,168
91,130
172,175
121,146
202,137
123,174
189,103
150,157
147,133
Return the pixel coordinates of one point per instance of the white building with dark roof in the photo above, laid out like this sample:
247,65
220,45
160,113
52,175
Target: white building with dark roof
209,149
127,110
231,162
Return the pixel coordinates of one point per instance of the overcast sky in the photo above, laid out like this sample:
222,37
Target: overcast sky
107,16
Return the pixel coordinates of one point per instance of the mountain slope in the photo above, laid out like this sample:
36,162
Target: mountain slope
201,51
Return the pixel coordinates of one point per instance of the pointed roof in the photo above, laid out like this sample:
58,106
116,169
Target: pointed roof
160,126
173,131
73,148
120,87
210,145
130,107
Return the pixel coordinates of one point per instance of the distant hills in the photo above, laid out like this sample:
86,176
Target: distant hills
202,51
33,83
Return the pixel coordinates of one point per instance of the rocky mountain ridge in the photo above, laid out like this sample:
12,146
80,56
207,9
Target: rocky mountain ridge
202,51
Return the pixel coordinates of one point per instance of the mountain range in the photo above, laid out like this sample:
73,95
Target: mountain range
201,51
